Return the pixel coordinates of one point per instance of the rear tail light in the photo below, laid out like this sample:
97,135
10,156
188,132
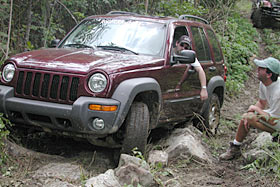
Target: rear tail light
225,72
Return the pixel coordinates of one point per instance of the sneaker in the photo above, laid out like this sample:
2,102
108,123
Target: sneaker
232,152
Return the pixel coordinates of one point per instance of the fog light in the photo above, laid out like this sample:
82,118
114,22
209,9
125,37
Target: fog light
98,123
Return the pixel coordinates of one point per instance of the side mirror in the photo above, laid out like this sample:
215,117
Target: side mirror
185,57
54,43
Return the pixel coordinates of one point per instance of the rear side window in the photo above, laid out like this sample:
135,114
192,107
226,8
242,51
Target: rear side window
201,44
215,45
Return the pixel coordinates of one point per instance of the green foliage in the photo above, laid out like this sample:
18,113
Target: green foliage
83,177
268,164
3,134
30,46
137,153
238,44
244,6
215,3
176,8
271,40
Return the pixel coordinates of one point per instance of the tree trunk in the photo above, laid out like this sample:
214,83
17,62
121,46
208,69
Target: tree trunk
9,31
29,20
146,6
196,3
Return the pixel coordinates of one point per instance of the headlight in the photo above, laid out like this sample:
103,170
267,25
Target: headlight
97,82
8,72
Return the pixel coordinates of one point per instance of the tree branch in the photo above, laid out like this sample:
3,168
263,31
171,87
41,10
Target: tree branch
73,17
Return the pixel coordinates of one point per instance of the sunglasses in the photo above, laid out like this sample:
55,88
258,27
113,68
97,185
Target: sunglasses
186,46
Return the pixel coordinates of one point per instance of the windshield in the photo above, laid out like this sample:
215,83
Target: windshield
138,37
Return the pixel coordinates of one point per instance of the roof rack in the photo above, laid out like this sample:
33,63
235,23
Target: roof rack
194,17
121,13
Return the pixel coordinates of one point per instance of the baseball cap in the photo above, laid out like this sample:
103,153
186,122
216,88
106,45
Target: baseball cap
271,63
185,39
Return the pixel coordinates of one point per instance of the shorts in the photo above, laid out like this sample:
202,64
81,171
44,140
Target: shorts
275,127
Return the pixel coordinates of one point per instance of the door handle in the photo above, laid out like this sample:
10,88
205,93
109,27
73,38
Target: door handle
212,68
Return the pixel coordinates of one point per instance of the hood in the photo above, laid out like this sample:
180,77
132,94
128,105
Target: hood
82,61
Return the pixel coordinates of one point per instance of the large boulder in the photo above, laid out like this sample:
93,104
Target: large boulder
262,139
133,171
130,171
107,179
185,141
256,150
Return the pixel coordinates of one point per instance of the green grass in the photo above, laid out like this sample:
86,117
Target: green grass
244,6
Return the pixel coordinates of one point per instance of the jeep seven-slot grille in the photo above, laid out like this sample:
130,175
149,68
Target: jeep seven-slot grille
47,86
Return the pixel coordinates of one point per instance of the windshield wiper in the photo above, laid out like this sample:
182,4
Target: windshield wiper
117,48
78,46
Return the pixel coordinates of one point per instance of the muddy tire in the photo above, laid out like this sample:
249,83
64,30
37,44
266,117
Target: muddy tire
258,19
210,120
136,128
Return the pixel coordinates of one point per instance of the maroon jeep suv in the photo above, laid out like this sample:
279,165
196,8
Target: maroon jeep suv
113,79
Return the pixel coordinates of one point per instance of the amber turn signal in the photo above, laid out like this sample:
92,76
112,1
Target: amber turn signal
103,107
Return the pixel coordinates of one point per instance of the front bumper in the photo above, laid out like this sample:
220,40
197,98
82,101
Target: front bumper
76,118
272,12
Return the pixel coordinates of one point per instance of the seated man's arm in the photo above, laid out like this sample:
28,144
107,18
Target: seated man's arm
258,107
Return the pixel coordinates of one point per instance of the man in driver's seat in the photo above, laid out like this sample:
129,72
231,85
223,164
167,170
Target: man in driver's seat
184,43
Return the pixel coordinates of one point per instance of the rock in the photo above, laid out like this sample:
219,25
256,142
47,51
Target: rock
133,171
126,159
257,152
253,154
157,156
186,142
107,179
262,139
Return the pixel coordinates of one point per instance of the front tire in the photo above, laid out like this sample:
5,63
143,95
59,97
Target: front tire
136,128
211,117
258,19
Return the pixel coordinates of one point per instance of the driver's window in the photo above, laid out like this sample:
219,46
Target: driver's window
178,32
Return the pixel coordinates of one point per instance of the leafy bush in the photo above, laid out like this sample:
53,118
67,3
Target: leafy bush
176,8
237,38
271,39
214,3
3,134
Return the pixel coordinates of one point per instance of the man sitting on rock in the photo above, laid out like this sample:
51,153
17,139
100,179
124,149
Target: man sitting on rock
257,115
